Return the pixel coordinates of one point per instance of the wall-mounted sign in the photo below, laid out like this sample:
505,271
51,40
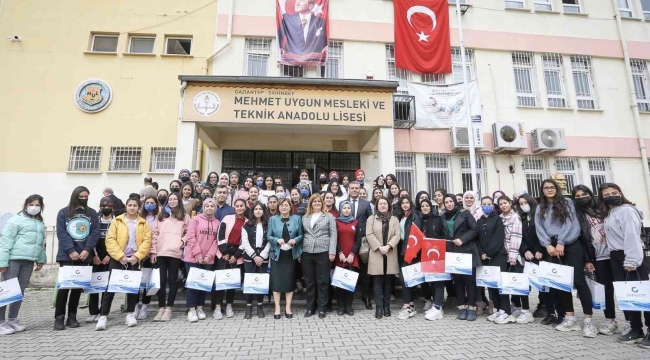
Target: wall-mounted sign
93,95
206,103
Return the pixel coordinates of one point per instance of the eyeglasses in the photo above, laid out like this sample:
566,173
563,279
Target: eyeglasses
548,188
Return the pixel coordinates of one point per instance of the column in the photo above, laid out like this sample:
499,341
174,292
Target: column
186,143
386,147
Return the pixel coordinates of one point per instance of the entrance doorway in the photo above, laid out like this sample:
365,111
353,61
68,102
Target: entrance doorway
287,164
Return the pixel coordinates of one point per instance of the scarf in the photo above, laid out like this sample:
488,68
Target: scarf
475,209
450,213
383,216
512,240
345,219
207,201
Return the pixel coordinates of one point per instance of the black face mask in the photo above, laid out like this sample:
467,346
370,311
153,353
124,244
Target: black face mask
459,204
175,190
583,201
185,179
162,200
82,202
322,180
203,197
613,200
107,211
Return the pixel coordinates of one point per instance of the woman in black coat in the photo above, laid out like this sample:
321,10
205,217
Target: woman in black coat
459,226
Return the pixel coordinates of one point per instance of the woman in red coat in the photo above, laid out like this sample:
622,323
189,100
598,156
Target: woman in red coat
348,243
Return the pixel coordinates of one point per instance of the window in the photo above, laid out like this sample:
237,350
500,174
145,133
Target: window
433,79
583,77
85,158
600,172
481,174
544,5
570,168
536,171
515,4
625,8
178,46
454,1
125,158
405,171
525,79
438,172
334,67
395,74
641,87
572,6
163,159
645,5
104,43
292,71
457,65
554,80
258,51
141,44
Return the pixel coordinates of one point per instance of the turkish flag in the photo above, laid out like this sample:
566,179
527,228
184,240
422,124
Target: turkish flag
433,256
414,244
422,40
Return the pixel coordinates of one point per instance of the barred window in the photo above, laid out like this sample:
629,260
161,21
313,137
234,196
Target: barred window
525,79
600,172
163,159
292,71
85,158
457,65
641,79
554,80
433,79
258,51
125,158
400,75
536,170
481,174
570,168
334,67
405,171
583,77
438,172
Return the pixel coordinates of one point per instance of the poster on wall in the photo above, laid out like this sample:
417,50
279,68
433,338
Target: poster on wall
302,32
444,106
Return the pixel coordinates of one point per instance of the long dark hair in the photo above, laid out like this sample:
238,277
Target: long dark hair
178,213
531,202
401,213
144,212
390,205
390,194
31,198
392,177
560,210
339,192
606,208
264,183
207,181
593,208
265,215
74,202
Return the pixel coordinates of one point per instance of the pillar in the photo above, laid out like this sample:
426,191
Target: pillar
386,150
186,143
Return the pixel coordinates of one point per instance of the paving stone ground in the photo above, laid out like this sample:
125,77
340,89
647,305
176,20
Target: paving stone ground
335,337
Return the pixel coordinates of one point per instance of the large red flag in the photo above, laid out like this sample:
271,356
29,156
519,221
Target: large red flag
414,244
433,256
422,36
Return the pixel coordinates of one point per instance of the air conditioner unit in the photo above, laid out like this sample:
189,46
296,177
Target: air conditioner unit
548,140
459,138
509,137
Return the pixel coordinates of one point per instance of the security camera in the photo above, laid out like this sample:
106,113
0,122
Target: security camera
14,38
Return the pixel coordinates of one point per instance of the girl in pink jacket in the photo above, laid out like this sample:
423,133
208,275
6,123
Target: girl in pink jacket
200,252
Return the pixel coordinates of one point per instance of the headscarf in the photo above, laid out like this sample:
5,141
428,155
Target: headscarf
450,213
426,216
227,179
332,175
345,219
207,201
356,173
475,209
417,199
182,171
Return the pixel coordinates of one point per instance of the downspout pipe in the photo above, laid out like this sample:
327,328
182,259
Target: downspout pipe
225,45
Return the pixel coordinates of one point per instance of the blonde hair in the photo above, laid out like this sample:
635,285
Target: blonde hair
311,202
286,200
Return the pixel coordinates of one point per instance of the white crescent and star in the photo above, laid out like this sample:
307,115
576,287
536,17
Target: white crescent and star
318,9
415,239
422,10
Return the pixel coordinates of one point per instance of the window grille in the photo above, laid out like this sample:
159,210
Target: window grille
536,170
438,172
125,158
163,159
641,86
400,75
554,80
405,171
525,79
600,172
292,71
583,77
258,51
481,174
570,168
334,67
85,158
572,6
457,65
433,79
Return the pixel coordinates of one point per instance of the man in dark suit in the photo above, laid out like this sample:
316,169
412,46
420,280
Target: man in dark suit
361,210
303,32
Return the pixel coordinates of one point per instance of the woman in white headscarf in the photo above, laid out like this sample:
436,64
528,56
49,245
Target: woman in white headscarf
472,204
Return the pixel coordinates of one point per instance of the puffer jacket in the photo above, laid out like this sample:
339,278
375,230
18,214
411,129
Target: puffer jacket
117,238
23,238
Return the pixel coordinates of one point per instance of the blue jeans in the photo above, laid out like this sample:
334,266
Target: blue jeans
196,297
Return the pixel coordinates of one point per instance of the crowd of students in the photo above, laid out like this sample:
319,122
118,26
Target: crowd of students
300,233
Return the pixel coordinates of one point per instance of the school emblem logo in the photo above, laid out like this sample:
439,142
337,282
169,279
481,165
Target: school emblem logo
206,103
93,95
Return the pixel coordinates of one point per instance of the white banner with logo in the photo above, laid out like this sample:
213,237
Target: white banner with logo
124,281
227,279
444,106
74,277
632,295
256,283
199,279
556,276
488,276
344,279
98,282
532,270
514,284
10,292
413,275
458,263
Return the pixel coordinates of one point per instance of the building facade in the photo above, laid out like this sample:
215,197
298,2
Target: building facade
117,85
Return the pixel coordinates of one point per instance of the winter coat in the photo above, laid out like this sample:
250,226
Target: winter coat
466,230
169,237
79,233
491,234
374,234
23,238
118,237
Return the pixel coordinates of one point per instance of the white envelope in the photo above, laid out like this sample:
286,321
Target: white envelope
345,279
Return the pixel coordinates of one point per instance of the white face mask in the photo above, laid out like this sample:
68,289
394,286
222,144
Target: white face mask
525,208
33,210
280,195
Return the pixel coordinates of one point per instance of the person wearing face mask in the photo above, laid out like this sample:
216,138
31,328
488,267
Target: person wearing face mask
149,212
242,192
280,191
22,250
200,253
101,259
259,181
592,219
256,249
470,203
184,176
629,262
347,249
322,182
313,187
459,201
198,189
77,230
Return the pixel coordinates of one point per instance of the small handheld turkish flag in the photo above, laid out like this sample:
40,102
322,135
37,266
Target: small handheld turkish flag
414,244
433,256
422,41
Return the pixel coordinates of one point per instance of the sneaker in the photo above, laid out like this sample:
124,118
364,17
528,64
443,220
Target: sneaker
568,325
101,323
91,319
609,327
505,318
191,316
143,312
434,314
494,316
229,312
525,318
405,313
130,320
15,324
645,343
159,314
216,315
427,305
632,337
589,329
167,314
200,314
5,329
516,313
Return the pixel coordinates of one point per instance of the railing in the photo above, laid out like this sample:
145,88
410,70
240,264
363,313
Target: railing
403,111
